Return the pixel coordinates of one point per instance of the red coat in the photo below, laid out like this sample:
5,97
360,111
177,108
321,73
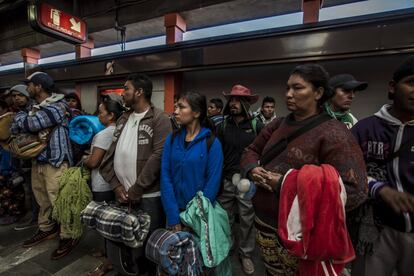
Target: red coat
312,220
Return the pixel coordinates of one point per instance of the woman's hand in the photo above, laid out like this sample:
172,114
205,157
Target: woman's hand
258,175
273,179
265,179
121,194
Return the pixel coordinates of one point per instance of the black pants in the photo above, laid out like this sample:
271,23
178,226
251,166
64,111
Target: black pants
133,259
154,208
107,196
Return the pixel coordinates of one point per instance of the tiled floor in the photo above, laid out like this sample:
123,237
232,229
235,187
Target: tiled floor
15,260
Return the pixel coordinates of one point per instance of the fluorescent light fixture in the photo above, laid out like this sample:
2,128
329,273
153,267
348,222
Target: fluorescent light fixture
58,58
363,8
132,45
12,66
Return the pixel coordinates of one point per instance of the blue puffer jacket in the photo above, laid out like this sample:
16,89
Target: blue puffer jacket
185,171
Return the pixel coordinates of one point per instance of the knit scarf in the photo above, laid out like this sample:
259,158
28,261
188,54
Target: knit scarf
344,117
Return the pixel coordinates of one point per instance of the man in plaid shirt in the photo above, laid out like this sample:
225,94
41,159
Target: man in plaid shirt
49,112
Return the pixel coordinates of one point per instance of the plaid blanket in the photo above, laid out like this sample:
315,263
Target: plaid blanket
116,224
176,253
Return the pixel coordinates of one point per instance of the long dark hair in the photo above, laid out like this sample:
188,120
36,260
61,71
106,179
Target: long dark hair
317,76
198,103
113,107
74,96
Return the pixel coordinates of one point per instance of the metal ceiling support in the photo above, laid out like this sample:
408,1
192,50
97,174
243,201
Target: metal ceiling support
376,36
311,10
11,6
76,10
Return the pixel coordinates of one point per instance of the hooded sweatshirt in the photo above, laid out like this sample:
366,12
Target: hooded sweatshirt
185,170
379,136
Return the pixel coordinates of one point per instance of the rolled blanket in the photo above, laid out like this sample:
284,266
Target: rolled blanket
83,128
116,224
176,253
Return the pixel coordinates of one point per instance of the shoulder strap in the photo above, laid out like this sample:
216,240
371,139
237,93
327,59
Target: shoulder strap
254,125
282,144
407,145
173,135
210,141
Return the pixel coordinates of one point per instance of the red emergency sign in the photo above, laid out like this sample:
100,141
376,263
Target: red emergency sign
57,23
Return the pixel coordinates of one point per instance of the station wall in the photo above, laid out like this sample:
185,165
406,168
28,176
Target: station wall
271,81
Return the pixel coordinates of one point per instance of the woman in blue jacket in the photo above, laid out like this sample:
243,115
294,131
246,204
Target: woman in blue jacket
192,159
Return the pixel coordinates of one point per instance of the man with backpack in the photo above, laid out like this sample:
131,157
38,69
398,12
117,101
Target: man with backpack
49,119
387,142
132,163
236,132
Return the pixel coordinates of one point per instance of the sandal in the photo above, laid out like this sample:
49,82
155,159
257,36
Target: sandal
101,269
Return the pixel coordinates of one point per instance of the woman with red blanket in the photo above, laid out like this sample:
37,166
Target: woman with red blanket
329,142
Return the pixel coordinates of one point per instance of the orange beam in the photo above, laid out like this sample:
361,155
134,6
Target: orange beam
30,55
85,49
175,27
311,10
172,87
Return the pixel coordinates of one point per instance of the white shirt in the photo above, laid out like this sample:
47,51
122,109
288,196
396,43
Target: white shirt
102,140
126,152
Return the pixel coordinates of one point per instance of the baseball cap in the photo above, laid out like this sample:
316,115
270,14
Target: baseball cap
347,82
22,89
41,78
404,70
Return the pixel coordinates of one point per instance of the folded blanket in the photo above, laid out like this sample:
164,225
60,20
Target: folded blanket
176,253
83,128
116,224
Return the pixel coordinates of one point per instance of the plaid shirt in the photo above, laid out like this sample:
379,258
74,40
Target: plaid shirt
176,253
116,224
51,113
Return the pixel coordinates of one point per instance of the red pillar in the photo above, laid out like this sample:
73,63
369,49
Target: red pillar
175,27
85,49
31,56
311,10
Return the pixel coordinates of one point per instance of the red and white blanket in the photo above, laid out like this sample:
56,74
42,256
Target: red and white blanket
312,220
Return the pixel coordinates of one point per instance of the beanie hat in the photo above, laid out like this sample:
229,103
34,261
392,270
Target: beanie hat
22,89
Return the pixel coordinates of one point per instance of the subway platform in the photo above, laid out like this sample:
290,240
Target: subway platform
19,261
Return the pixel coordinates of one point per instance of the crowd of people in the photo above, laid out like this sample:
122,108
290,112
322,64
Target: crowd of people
316,191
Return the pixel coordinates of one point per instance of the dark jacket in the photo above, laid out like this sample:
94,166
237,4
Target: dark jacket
235,138
379,136
155,126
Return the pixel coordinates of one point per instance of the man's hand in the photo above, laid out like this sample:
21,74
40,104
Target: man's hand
121,194
400,202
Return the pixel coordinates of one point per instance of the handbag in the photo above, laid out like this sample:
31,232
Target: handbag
28,145
6,121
